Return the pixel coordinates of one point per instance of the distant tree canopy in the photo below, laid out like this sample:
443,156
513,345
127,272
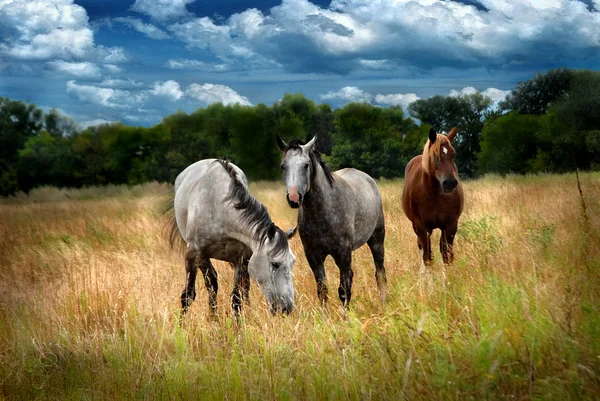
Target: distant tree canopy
549,123
552,125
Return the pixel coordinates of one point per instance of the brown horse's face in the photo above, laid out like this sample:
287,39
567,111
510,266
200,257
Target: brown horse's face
441,160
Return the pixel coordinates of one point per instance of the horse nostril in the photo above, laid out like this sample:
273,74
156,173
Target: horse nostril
450,184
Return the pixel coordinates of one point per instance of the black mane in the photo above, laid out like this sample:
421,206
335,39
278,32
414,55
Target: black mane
254,213
315,158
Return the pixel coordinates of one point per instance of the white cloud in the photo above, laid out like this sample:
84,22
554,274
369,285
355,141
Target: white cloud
169,89
107,97
148,29
44,29
112,68
210,93
162,9
186,64
495,94
57,43
353,34
396,99
353,94
348,94
121,83
112,55
81,70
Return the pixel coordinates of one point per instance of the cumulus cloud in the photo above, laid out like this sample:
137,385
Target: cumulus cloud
107,97
81,70
354,94
169,89
210,93
396,99
148,29
352,34
53,30
131,98
186,64
42,29
348,94
162,9
121,83
495,94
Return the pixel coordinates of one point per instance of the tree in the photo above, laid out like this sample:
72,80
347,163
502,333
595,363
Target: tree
18,122
537,95
378,141
509,144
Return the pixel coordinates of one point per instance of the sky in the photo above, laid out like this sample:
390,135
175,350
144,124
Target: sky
137,61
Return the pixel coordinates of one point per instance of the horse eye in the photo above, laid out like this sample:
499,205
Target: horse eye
306,167
275,265
283,166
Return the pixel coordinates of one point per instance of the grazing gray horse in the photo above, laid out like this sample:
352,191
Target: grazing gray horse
218,218
338,212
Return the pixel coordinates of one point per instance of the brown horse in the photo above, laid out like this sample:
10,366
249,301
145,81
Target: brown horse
433,196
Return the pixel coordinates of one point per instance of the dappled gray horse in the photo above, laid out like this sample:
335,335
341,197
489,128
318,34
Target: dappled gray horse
218,218
338,212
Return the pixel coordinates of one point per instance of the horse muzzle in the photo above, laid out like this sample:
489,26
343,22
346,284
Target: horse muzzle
449,185
294,200
283,307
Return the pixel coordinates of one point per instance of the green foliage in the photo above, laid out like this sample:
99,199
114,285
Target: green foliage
537,95
549,123
375,140
553,126
509,144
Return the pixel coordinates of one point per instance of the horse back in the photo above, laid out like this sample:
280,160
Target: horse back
361,194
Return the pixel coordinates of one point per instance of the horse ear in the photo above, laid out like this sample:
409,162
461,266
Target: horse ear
290,233
432,135
452,134
310,145
282,145
271,232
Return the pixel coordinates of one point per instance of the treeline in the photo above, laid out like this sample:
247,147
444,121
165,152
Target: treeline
549,123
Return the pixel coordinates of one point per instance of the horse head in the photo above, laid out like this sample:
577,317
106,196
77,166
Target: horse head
271,267
438,159
297,166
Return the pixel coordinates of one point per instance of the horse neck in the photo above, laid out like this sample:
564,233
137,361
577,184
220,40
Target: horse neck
246,236
319,190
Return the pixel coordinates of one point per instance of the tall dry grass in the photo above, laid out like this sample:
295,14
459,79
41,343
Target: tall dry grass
89,302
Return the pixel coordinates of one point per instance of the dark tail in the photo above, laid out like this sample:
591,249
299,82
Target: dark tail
171,231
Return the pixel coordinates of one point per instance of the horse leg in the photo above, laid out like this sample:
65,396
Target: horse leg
344,262
377,249
210,280
241,287
446,241
189,292
316,265
424,241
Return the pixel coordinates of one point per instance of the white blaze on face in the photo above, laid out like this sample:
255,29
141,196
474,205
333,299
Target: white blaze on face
445,149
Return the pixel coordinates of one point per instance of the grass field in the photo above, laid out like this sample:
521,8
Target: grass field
89,302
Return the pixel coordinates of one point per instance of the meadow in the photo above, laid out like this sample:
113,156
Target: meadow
89,304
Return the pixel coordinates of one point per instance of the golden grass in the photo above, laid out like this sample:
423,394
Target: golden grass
89,303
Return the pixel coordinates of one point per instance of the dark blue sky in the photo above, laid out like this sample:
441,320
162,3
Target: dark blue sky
137,61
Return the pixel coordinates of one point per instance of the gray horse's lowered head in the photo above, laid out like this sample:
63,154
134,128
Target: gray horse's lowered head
272,258
218,218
